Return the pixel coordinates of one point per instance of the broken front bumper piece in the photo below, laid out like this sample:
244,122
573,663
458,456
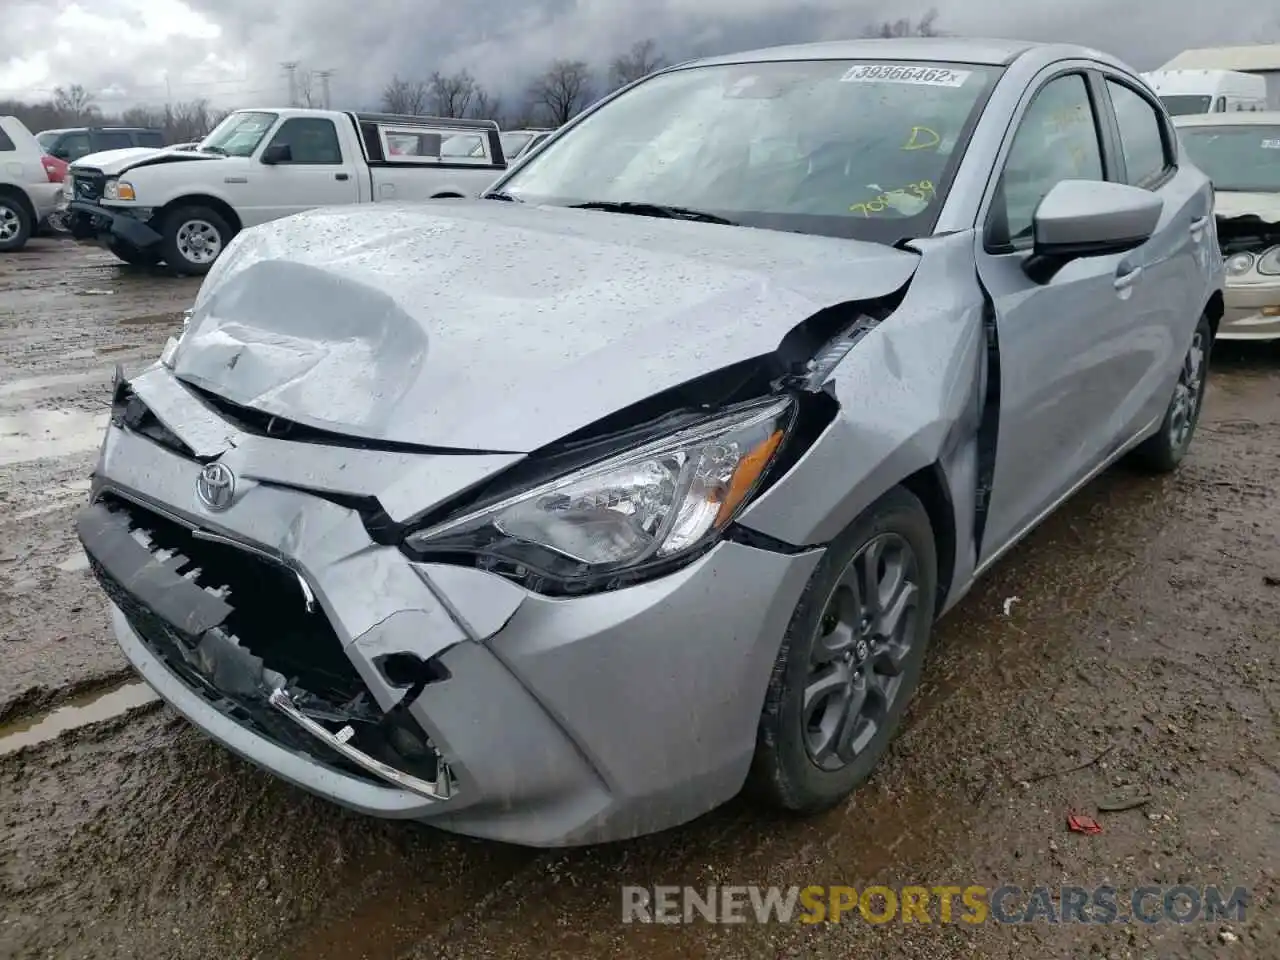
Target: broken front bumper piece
184,623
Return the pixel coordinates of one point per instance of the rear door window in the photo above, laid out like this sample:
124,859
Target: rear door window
112,140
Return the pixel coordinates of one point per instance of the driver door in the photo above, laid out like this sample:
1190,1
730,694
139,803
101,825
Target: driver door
1058,340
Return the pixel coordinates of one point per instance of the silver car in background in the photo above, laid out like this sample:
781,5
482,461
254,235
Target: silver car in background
560,515
1240,153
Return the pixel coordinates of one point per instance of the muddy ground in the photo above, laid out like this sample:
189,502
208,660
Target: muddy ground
1139,646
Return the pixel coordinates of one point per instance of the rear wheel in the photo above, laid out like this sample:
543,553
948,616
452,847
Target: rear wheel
15,224
193,238
1163,452
851,658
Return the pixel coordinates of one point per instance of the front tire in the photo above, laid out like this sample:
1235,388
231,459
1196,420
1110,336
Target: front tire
193,238
15,224
1162,452
850,660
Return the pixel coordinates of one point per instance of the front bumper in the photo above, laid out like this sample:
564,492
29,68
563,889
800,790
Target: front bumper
559,721
89,220
1252,311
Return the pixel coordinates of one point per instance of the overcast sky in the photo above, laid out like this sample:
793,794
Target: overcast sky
230,51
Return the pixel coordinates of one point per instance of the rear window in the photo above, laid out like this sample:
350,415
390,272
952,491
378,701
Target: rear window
5,142
1181,105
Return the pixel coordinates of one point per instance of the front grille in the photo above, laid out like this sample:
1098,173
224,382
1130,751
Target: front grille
88,185
271,614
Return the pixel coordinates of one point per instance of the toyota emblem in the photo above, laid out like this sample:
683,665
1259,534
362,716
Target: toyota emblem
216,486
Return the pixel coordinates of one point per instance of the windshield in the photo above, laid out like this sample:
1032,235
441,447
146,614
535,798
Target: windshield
239,134
842,148
47,139
513,143
1244,158
1185,103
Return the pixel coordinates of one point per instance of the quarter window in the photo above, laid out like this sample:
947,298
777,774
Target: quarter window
1141,136
1057,140
310,140
5,142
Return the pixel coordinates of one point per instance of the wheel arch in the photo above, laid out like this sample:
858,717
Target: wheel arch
1214,310
929,486
17,193
218,205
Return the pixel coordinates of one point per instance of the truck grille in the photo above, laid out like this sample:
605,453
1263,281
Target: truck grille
88,184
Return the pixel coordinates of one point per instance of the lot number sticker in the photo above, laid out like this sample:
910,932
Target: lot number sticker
1271,144
891,73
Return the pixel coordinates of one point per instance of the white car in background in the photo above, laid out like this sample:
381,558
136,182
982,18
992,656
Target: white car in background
28,185
1240,153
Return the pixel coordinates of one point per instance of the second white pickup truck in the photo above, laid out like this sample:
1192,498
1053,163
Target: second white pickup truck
182,207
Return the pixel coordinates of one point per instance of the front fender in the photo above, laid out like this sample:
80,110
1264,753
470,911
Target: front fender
909,397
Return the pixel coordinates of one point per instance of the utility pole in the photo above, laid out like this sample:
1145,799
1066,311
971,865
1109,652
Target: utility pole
324,76
291,71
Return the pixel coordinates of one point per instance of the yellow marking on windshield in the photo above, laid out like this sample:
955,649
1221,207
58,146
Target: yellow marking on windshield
922,138
921,189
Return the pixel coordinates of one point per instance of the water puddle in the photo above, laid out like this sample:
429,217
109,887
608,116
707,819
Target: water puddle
36,434
78,712
53,499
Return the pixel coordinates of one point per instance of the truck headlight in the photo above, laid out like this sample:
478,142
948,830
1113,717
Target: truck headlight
118,190
652,504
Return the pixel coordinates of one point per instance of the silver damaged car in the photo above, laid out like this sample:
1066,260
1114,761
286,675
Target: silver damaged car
562,514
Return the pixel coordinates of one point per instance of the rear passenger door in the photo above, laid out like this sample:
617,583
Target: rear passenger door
317,174
1175,262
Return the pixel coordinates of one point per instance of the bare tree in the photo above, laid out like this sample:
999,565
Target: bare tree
562,90
485,106
904,27
143,117
641,60
408,97
451,94
75,102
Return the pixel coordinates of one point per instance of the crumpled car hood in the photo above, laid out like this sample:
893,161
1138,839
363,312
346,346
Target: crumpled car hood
1265,206
488,325
115,162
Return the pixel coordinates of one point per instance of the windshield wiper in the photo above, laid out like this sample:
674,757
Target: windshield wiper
501,196
653,210
217,150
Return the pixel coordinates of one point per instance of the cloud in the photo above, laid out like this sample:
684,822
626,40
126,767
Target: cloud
230,51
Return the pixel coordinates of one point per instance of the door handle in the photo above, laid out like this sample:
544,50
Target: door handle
341,176
1126,280
1198,224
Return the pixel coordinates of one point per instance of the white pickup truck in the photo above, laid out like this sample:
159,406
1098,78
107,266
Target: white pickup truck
182,207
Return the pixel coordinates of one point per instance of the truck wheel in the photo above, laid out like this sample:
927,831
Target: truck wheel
15,224
131,254
193,238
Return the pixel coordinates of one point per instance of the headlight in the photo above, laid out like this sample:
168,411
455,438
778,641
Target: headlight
1238,263
1269,262
118,190
651,504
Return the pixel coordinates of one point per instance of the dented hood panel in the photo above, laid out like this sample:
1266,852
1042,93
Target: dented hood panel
1228,205
497,326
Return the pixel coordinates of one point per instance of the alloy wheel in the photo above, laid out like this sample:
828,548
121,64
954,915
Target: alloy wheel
864,636
1187,394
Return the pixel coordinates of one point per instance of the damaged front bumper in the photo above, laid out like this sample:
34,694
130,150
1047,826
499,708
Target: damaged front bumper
87,220
427,691
1252,310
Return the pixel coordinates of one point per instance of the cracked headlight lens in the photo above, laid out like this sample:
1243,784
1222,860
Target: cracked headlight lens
649,504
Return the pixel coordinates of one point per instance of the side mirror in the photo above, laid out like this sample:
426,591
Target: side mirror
277,153
1089,218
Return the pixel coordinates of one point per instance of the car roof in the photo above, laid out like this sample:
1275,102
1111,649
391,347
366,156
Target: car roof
1235,118
977,50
